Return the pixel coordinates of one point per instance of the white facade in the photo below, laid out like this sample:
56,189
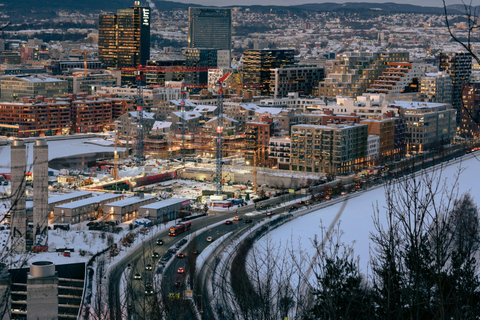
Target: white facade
373,146
224,58
151,96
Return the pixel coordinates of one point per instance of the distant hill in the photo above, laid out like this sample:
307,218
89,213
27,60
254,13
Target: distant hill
31,10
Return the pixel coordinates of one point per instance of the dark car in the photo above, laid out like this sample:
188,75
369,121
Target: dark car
269,213
228,222
148,290
178,284
181,255
155,255
248,220
159,242
137,276
148,267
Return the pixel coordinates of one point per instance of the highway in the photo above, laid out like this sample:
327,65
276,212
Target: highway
146,306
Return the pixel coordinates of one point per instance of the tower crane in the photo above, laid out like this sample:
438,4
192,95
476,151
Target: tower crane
220,84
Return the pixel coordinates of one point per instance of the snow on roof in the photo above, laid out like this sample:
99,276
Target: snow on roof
128,201
202,108
68,196
164,203
269,110
224,117
250,106
188,114
417,104
37,79
146,115
187,103
69,147
161,125
84,202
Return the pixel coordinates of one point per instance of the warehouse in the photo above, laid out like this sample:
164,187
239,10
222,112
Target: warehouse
81,210
126,209
167,209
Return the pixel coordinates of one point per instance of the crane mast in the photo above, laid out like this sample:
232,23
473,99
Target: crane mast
219,171
139,151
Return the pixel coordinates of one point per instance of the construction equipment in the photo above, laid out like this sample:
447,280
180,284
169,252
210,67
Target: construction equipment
220,84
139,141
115,158
182,103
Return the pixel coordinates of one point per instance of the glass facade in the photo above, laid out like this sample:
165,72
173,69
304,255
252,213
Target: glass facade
124,37
210,28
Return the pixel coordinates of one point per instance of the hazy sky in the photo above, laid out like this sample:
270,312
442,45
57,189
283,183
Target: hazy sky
426,3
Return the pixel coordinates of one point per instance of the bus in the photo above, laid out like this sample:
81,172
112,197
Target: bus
179,228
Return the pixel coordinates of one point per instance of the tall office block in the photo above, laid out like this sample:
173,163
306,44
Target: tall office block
459,66
40,195
210,28
124,37
258,63
18,196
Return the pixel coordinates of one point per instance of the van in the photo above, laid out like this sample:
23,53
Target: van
66,253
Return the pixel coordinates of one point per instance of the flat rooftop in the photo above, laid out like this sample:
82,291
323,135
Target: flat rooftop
69,196
128,201
84,202
164,203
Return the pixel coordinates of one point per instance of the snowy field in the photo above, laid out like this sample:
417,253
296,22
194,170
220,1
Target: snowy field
356,220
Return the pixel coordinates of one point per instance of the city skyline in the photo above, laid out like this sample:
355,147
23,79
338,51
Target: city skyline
425,3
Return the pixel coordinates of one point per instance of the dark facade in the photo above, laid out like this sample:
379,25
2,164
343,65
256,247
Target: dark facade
470,113
199,58
257,139
124,37
210,28
257,65
459,66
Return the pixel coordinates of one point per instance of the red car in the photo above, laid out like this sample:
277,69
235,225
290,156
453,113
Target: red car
181,270
228,222
180,255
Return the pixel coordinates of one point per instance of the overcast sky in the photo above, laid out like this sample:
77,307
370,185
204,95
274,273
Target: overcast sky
425,3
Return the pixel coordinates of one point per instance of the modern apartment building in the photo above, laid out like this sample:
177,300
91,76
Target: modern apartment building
428,125
32,117
303,80
335,149
210,28
437,87
352,73
257,65
17,87
459,66
399,77
279,152
385,130
124,37
470,114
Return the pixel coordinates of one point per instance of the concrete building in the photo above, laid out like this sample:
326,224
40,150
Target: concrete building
334,149
224,59
42,291
459,66
300,79
79,82
57,67
165,210
429,125
210,28
18,211
40,195
5,283
82,210
437,87
279,152
126,209
373,149
16,87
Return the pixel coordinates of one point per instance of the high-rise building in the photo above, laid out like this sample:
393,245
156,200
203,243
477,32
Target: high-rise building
124,37
436,87
210,28
199,58
459,66
303,80
258,63
470,114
